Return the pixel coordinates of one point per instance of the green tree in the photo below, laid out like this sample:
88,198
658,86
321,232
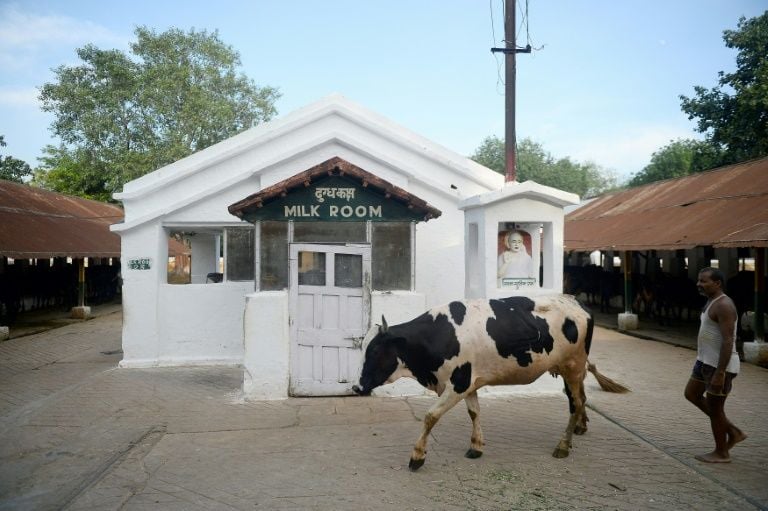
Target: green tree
734,115
73,172
678,158
120,115
13,169
536,164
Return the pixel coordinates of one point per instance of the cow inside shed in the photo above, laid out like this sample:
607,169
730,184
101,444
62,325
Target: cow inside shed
457,348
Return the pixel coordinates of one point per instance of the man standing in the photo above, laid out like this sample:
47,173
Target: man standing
717,364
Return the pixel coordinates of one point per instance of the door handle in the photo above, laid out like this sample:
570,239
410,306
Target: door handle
357,342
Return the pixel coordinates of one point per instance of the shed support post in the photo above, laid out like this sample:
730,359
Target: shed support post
628,320
627,281
81,282
81,311
760,293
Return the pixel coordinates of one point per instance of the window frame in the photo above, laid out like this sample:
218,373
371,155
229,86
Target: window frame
258,233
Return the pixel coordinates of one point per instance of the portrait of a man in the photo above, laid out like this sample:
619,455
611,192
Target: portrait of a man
515,259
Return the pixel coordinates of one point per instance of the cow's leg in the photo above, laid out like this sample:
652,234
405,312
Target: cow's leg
581,426
574,378
476,441
445,402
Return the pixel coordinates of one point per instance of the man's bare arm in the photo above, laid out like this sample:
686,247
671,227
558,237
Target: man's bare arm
725,315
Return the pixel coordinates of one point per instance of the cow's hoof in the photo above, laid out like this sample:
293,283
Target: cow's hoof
415,465
473,453
560,453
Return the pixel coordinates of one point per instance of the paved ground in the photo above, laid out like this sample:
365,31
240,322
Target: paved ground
78,433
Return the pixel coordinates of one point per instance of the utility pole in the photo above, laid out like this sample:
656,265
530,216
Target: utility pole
510,51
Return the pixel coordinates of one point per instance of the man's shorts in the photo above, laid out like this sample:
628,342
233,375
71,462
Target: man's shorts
704,373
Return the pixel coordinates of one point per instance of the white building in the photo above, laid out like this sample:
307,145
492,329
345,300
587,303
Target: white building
348,216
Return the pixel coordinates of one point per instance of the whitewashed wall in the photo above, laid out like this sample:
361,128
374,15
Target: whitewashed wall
140,294
266,360
204,323
201,324
522,203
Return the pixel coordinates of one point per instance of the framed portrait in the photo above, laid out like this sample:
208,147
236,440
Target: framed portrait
517,258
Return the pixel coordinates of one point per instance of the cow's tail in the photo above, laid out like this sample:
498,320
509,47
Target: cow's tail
606,383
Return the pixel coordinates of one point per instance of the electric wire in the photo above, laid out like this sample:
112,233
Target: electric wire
499,78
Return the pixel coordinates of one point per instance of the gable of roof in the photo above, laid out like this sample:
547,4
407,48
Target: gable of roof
37,223
721,207
334,104
525,190
354,120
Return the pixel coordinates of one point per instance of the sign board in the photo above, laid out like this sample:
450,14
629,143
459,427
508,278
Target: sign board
334,199
140,263
518,284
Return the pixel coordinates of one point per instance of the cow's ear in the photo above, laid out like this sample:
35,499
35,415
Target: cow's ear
383,328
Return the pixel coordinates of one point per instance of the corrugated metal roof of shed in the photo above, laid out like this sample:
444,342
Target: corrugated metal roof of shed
721,207
39,223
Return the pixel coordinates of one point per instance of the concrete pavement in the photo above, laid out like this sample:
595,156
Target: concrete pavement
78,433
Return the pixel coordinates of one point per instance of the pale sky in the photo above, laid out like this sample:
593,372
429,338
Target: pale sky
602,84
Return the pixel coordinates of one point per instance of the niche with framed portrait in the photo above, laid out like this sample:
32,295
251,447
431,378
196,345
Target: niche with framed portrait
514,240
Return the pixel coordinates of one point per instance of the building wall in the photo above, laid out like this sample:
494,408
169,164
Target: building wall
204,323
201,323
481,280
141,340
166,324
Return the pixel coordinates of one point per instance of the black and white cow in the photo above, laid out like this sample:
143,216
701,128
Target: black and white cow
457,348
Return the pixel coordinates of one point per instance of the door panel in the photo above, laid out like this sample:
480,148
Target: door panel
306,316
330,301
330,312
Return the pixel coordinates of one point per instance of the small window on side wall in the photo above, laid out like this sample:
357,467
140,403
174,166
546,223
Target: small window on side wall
239,253
179,259
195,256
273,256
391,256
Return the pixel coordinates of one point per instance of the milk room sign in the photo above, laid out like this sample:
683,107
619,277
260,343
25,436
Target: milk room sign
334,199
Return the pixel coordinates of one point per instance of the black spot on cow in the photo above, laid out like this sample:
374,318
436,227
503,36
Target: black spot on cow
570,330
516,331
458,311
461,377
424,344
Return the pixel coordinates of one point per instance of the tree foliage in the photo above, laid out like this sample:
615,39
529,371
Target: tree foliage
13,169
734,115
678,158
73,172
536,164
120,115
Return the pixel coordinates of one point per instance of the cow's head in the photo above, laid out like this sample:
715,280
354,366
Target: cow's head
380,361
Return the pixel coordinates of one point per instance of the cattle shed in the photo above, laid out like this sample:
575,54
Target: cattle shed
304,231
44,239
723,208
672,228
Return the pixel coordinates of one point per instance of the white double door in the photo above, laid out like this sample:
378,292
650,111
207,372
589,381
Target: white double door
330,314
